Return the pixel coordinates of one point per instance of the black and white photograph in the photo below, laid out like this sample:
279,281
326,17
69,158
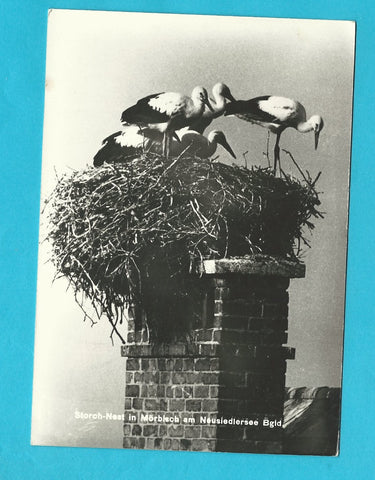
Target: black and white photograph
193,233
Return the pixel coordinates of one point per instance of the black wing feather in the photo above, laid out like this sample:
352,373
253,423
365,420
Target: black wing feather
141,112
251,109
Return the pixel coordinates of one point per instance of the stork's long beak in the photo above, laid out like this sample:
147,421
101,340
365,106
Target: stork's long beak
316,139
227,147
207,102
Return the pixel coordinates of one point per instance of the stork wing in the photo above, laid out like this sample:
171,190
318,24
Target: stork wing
250,110
143,112
111,137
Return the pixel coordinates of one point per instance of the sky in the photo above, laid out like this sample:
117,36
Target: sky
100,63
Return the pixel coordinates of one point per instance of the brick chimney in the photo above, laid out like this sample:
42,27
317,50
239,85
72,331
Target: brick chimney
223,388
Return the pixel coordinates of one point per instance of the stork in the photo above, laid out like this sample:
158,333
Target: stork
276,114
172,111
127,144
221,95
194,144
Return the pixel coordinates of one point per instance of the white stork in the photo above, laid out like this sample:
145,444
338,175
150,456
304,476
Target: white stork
193,143
127,144
172,111
221,94
276,114
131,141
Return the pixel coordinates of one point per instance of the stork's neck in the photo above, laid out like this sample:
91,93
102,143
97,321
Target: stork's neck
199,106
211,147
219,100
305,127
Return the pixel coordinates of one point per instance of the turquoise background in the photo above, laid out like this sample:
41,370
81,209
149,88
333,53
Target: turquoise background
23,27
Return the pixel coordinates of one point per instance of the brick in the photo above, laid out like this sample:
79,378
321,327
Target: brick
184,391
169,364
160,390
144,390
209,405
218,308
210,378
137,430
188,364
131,337
158,443
208,349
139,377
132,364
128,403
175,444
203,335
150,364
177,349
193,432
152,391
193,405
177,364
132,390
129,377
161,364
193,377
138,337
167,443
202,364
127,429
169,392
163,430
201,391
176,405
150,430
178,377
214,391
151,404
175,430
185,444
150,443
218,321
151,377
138,403
217,335
165,377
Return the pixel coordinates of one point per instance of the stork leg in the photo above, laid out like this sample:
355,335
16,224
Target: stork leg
276,153
164,146
167,140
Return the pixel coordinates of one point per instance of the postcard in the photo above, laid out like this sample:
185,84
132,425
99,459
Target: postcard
193,233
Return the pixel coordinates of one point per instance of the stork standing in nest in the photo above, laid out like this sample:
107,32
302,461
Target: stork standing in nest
132,141
276,114
168,112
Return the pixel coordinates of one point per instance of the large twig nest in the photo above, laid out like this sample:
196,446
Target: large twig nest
132,232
